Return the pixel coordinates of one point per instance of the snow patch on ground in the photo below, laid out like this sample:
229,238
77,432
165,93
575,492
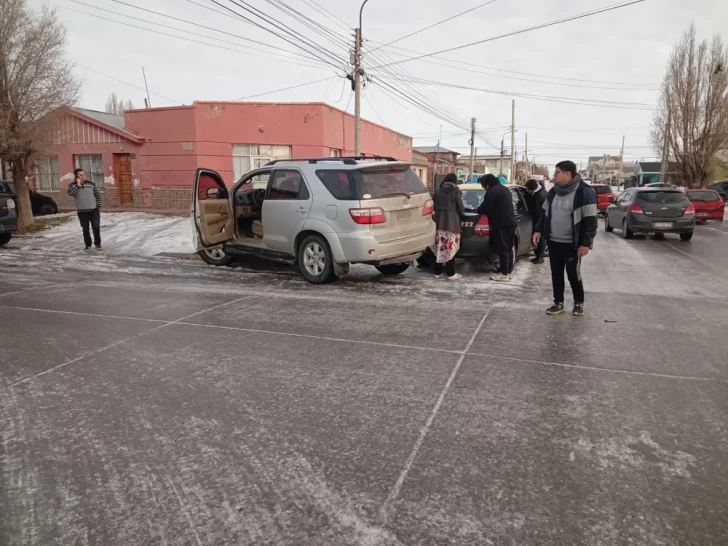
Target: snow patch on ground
122,233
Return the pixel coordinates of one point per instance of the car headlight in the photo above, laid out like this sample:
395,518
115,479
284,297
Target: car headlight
10,204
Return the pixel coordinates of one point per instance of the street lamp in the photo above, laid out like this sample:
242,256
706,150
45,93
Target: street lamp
502,150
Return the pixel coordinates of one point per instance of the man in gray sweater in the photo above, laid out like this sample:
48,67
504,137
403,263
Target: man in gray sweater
88,204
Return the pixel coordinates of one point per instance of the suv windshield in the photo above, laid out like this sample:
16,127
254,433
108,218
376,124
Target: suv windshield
662,197
379,183
703,196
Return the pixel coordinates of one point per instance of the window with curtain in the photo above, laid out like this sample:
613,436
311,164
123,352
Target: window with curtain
93,166
247,157
49,179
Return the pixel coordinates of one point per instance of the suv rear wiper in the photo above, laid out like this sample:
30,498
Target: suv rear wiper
395,194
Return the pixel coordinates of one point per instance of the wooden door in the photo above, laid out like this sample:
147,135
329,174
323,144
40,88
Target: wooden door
122,168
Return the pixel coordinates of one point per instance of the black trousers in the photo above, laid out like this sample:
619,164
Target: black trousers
501,243
564,256
90,218
449,268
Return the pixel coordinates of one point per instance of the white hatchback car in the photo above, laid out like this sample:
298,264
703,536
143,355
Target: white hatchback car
321,214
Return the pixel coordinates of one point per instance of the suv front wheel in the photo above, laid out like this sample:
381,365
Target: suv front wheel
215,256
315,260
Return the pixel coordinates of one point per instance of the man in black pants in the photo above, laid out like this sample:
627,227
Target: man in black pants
535,197
569,224
498,206
87,198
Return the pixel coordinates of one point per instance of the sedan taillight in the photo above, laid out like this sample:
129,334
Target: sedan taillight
636,209
690,209
483,226
10,204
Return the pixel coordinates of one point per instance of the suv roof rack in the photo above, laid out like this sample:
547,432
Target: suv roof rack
346,160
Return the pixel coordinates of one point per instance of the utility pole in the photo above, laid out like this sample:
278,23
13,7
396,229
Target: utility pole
621,158
472,147
357,92
502,154
357,84
528,170
665,146
437,160
513,141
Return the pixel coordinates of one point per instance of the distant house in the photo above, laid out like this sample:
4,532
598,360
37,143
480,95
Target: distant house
603,167
483,163
648,172
421,166
441,160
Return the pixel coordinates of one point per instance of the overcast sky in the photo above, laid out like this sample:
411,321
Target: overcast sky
614,57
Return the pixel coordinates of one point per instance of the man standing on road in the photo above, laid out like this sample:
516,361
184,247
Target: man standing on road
498,206
569,224
88,204
535,197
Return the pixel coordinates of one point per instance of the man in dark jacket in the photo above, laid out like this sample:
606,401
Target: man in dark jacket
535,197
569,224
498,206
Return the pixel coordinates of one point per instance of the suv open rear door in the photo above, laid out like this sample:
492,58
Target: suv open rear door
212,210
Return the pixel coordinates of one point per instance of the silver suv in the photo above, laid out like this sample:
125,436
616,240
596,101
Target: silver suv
322,214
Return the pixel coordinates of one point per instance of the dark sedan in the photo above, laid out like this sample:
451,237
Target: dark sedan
8,217
475,238
652,210
40,204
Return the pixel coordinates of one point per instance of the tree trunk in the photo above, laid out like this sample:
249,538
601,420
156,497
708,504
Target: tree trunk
25,212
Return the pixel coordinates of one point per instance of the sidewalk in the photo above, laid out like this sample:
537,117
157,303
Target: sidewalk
162,212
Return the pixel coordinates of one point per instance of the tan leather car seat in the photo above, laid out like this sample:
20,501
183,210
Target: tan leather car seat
258,228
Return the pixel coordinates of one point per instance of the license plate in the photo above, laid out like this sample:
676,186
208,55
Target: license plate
702,214
404,215
663,225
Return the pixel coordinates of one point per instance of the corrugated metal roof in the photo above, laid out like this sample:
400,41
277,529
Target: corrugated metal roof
117,122
433,150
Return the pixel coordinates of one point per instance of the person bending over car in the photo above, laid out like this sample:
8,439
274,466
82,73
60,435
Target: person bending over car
498,206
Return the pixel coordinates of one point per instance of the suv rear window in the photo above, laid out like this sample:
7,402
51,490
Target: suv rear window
379,183
601,190
339,184
703,196
661,197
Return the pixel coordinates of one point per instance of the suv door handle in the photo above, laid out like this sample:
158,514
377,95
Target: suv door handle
301,210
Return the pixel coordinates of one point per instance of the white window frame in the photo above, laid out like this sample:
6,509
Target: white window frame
247,157
48,174
93,167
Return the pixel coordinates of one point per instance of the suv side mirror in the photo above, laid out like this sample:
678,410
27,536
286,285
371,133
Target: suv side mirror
212,193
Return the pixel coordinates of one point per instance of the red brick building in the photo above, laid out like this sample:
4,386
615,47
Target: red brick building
148,158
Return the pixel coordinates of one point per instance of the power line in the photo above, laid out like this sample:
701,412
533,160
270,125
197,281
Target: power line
522,31
468,64
328,14
286,88
159,33
375,110
283,28
129,84
198,25
547,98
433,25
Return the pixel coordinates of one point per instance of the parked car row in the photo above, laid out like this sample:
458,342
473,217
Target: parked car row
40,204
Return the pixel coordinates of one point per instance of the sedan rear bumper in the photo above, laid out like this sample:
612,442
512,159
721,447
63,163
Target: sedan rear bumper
710,215
9,223
641,224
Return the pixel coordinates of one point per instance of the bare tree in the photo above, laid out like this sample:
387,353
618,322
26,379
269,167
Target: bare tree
117,106
35,80
691,122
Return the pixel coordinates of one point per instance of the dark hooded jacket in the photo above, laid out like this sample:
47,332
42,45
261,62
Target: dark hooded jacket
448,207
498,206
534,201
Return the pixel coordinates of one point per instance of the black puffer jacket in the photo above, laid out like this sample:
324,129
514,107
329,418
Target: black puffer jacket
498,206
448,207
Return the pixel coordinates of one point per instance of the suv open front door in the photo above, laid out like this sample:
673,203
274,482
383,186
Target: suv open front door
212,209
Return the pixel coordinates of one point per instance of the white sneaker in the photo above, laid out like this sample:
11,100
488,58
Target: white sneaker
500,278
438,276
455,277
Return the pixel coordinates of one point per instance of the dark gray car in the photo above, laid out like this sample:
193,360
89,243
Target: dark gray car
655,210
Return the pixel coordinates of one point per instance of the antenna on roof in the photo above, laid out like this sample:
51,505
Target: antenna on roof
147,101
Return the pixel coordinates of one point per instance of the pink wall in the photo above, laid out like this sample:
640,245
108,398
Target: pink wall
168,157
181,139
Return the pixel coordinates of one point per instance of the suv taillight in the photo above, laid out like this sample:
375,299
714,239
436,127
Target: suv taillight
368,216
483,226
429,208
635,209
690,209
10,204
